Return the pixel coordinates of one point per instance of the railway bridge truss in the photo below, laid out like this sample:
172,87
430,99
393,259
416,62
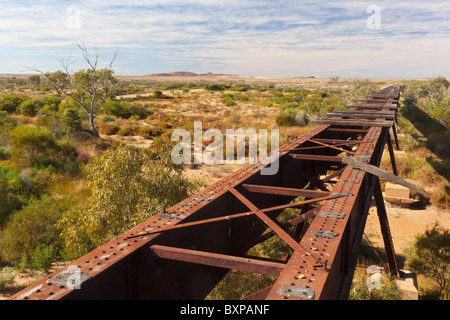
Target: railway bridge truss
186,250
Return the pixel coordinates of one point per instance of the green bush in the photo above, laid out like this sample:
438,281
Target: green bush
286,118
31,144
72,118
429,255
43,256
228,101
107,119
115,108
31,227
128,131
149,177
148,132
137,110
217,86
158,94
5,153
11,103
124,109
7,275
28,107
15,192
31,107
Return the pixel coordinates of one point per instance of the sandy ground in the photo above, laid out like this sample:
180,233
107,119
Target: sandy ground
405,224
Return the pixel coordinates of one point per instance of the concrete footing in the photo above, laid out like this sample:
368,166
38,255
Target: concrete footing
408,287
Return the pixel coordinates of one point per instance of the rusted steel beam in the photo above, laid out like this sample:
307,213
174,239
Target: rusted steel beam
309,258
353,122
348,130
392,155
330,146
385,230
361,115
286,191
150,230
316,198
372,106
378,100
260,295
340,142
218,260
369,112
333,175
313,157
293,223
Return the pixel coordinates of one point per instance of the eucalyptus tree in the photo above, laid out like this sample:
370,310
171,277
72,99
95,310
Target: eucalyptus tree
89,88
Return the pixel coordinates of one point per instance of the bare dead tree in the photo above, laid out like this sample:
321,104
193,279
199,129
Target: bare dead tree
88,88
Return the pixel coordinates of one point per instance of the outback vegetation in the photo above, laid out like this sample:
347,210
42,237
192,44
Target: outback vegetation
65,136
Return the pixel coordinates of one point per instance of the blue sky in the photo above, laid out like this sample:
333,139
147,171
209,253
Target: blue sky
284,38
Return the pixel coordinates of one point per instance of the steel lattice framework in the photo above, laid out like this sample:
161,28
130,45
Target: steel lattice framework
183,252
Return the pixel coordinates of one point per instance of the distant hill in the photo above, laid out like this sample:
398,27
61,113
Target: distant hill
188,74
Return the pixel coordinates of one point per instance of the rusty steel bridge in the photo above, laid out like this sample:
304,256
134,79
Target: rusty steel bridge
186,250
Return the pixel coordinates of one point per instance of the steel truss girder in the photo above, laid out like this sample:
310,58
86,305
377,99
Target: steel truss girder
223,221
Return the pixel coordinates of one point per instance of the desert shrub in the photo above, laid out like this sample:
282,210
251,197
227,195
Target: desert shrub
148,132
441,197
115,108
286,118
410,142
228,101
107,119
429,255
5,153
387,289
414,90
109,129
28,107
31,144
43,256
151,181
137,110
11,103
158,94
65,151
31,227
300,118
52,122
217,86
7,275
241,97
361,88
72,119
16,191
277,100
31,107
128,131
124,109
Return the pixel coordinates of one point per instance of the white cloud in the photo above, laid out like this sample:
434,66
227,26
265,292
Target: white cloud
246,37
